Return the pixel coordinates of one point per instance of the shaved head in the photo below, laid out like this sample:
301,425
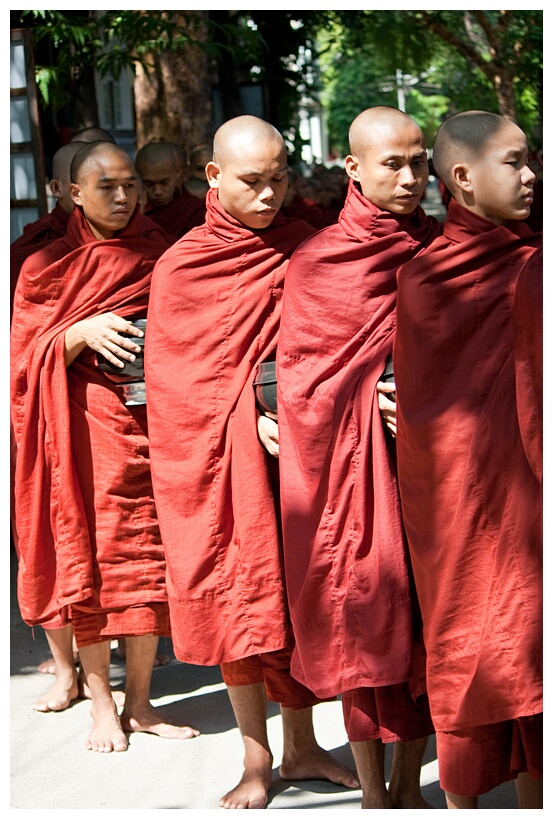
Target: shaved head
155,152
373,125
86,155
243,133
61,161
92,134
463,136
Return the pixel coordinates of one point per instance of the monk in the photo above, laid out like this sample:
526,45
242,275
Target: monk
92,133
47,228
468,375
346,563
89,543
177,211
214,317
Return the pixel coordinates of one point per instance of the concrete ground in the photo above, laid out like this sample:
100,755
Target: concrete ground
50,767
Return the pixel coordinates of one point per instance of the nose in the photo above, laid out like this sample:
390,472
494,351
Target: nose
407,177
528,176
121,194
267,194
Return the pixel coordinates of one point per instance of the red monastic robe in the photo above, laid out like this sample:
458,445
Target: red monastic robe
346,569
180,215
471,500
214,316
36,235
85,516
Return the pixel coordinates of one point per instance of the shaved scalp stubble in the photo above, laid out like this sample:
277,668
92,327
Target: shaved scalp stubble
89,152
242,132
62,159
463,136
368,126
155,152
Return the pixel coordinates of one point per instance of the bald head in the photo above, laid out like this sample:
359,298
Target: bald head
375,124
89,153
93,134
242,134
157,164
388,159
61,174
462,137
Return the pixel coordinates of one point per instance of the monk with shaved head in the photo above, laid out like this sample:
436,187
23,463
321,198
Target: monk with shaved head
213,320
170,206
352,606
468,355
91,557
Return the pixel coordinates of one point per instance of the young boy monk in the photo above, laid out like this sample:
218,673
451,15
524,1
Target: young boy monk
214,316
89,544
467,359
176,210
347,570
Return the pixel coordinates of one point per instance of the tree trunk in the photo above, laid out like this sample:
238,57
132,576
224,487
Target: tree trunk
174,101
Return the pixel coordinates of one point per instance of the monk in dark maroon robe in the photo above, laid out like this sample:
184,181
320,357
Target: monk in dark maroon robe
175,209
213,318
89,543
346,563
468,374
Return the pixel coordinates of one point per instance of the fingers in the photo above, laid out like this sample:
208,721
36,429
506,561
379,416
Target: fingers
267,430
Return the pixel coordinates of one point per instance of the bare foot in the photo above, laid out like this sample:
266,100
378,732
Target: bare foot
252,791
146,719
63,692
49,665
318,764
106,734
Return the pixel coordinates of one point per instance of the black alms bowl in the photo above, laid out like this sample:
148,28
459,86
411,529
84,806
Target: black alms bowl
132,369
265,385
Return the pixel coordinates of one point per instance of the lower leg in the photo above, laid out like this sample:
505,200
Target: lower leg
49,666
369,759
66,687
303,757
138,713
456,802
529,791
106,734
405,789
249,703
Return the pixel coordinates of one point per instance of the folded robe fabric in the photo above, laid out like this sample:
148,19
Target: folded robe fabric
82,484
471,500
180,215
345,554
214,316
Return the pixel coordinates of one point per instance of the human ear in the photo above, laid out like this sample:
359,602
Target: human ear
55,188
460,174
212,172
75,193
352,167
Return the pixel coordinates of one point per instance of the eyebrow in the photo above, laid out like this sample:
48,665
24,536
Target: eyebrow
402,156
114,179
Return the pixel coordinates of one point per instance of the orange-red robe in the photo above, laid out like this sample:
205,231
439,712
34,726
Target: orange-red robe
214,315
346,564
180,215
87,528
470,494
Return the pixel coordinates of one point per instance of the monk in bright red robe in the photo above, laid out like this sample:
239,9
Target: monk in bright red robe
174,208
467,358
89,542
214,317
346,563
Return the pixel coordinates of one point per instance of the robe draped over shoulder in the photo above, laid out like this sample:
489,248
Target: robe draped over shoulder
214,316
180,215
347,573
85,517
470,492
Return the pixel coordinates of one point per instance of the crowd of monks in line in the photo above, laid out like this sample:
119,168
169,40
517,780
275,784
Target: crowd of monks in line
373,540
